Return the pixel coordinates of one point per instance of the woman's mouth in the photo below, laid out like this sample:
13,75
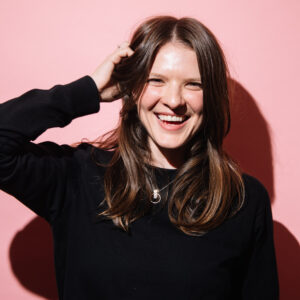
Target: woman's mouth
171,122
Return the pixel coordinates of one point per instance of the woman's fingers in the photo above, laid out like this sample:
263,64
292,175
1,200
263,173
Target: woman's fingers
122,51
102,75
123,44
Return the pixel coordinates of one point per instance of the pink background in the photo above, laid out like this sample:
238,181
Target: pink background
44,43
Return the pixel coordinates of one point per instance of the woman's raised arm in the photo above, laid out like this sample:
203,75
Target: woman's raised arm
38,174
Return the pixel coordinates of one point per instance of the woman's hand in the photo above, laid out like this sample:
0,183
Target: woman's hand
102,75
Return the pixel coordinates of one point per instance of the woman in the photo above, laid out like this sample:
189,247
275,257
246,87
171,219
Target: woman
156,210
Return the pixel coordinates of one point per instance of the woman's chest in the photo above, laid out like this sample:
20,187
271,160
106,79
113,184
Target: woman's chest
155,258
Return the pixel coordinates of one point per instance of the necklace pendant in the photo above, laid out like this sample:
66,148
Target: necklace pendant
156,197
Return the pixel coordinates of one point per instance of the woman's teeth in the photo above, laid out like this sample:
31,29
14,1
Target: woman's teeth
171,118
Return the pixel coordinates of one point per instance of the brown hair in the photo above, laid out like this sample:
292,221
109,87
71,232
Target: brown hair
208,187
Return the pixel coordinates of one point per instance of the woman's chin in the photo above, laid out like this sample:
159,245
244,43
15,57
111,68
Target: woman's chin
171,146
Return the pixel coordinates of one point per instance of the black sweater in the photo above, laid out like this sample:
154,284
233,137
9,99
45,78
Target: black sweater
97,260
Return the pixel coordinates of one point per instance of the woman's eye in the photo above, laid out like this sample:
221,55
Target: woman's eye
159,81
154,79
155,82
196,84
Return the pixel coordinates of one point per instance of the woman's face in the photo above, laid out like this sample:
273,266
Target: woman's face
170,106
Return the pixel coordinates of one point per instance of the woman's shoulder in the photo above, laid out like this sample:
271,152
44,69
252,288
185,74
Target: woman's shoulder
86,150
256,194
253,184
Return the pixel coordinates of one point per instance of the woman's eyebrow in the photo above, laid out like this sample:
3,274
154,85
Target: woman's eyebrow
162,76
156,74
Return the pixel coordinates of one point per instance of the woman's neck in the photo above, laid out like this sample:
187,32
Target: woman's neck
166,158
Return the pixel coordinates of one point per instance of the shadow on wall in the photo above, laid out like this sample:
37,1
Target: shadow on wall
288,262
249,142
31,257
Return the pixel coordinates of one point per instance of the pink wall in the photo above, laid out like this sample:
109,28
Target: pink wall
49,42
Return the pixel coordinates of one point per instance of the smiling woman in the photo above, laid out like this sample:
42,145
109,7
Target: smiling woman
177,70
155,209
170,106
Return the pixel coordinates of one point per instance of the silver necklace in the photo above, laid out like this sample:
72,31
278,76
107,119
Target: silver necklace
156,197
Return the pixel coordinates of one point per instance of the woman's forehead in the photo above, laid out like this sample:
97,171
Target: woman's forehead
176,58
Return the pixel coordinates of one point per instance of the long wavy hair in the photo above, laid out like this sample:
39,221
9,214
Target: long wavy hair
208,187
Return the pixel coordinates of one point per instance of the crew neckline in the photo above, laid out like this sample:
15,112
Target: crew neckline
163,169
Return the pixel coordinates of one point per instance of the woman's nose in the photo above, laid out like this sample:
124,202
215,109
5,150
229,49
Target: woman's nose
173,97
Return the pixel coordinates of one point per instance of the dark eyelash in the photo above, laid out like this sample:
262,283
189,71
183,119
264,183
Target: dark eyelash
196,83
159,80
154,79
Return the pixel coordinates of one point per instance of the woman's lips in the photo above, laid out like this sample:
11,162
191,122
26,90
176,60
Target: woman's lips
169,125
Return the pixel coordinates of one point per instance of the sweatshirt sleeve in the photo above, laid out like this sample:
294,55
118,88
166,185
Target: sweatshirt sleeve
261,279
38,174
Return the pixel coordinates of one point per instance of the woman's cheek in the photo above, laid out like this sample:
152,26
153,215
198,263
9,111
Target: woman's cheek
155,92
151,96
194,99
